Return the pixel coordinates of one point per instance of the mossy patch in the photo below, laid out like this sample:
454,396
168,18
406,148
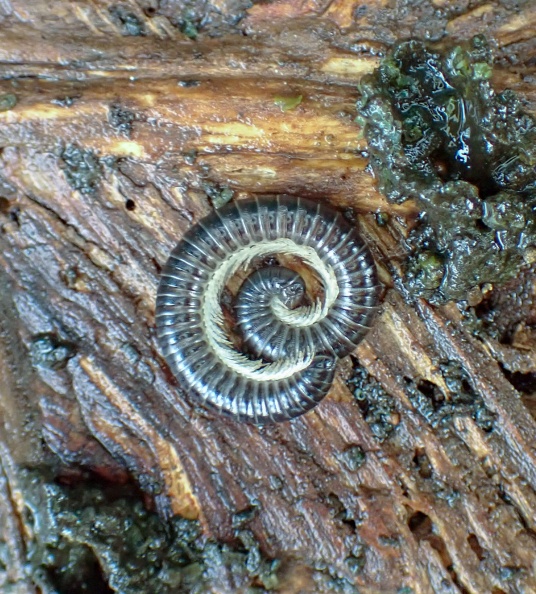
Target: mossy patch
376,404
218,195
196,18
439,134
440,411
127,21
7,101
82,168
48,350
101,538
287,103
121,118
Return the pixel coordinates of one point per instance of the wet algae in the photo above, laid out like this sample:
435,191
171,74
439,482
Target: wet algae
100,538
440,135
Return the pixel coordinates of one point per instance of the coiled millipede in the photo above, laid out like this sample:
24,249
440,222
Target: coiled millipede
276,358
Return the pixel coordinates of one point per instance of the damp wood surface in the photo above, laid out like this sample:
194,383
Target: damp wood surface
117,134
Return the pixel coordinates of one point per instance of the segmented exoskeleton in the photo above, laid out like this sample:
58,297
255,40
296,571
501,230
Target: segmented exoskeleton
290,343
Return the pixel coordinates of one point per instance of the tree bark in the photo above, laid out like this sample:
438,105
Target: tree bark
113,145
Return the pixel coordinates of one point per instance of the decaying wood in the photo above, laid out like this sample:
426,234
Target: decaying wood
162,124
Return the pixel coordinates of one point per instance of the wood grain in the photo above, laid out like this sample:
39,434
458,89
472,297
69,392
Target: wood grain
442,503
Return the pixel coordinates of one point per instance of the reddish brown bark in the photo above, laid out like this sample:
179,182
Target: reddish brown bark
443,501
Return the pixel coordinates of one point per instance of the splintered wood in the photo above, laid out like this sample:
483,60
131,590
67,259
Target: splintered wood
112,145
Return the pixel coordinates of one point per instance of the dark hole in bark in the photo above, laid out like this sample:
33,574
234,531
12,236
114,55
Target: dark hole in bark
522,382
427,388
422,463
421,525
422,528
4,205
430,390
475,545
525,383
14,215
340,512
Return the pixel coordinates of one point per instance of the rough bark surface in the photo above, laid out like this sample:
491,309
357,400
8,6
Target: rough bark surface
119,133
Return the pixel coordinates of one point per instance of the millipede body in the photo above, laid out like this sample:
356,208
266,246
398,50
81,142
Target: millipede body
276,358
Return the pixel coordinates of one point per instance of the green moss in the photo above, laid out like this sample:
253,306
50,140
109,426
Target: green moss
48,350
439,134
82,168
353,458
189,29
218,195
127,21
287,103
7,101
376,404
121,118
95,538
332,579
439,411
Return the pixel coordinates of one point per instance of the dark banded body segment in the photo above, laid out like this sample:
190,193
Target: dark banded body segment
290,348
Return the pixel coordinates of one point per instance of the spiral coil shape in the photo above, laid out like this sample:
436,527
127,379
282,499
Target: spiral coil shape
288,342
